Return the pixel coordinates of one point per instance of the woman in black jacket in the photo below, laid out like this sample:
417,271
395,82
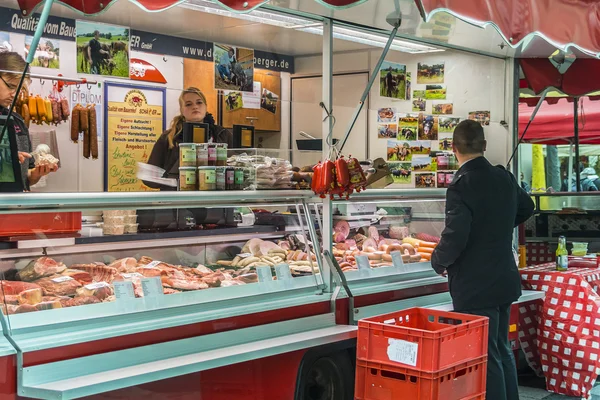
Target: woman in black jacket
165,153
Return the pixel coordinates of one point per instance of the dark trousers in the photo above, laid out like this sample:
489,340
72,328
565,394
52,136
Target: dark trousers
501,369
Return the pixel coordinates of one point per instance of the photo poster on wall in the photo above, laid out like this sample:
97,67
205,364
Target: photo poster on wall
393,81
387,123
102,49
435,92
408,126
135,118
269,100
428,127
430,73
483,117
443,109
47,54
234,68
86,95
233,100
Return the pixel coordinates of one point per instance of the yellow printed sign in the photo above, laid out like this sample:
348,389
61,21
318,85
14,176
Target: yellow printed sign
132,130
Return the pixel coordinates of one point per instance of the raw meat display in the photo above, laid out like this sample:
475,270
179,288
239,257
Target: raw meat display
99,271
59,285
14,288
341,231
40,268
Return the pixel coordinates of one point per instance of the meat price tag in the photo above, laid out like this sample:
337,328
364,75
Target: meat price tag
397,259
264,274
152,287
403,351
282,271
132,275
123,290
61,279
153,264
96,285
245,255
363,262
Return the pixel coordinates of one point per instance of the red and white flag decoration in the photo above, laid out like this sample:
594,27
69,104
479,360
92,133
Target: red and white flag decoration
142,70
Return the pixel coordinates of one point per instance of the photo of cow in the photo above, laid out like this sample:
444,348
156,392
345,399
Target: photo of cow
392,80
430,73
445,109
426,180
423,163
428,127
447,124
387,131
398,151
408,126
47,54
102,49
435,92
401,172
234,68
483,117
445,144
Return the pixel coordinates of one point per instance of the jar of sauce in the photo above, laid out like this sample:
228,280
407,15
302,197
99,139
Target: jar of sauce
207,179
220,177
212,154
221,154
239,178
202,155
230,178
187,179
187,155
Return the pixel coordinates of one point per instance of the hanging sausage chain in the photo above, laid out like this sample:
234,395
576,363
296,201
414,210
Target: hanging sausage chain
50,110
84,121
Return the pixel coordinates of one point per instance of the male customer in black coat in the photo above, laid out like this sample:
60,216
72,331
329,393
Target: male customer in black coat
483,206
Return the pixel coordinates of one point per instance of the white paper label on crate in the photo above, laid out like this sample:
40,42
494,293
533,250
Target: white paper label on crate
363,262
96,285
153,264
397,259
62,279
123,290
403,352
152,287
132,275
264,274
282,271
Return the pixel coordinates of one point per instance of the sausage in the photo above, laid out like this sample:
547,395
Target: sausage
56,112
408,248
64,108
358,181
430,245
33,109
75,124
84,122
316,180
328,176
341,172
49,115
416,258
425,250
394,247
93,133
86,143
387,257
25,114
425,256
41,109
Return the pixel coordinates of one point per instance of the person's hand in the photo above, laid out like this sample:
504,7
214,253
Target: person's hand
444,273
23,156
35,174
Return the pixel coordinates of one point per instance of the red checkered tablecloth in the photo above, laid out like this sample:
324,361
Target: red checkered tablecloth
560,335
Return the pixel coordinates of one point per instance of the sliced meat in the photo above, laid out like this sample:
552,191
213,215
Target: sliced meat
99,272
42,267
14,288
128,264
48,305
370,242
79,301
181,284
374,234
31,296
24,308
99,290
398,232
341,231
80,276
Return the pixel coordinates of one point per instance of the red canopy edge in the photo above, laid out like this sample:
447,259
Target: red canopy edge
563,23
533,101
579,79
91,7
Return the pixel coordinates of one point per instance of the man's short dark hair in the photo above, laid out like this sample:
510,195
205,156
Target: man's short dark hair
468,137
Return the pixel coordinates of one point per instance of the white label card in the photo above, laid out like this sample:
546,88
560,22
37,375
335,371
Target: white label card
153,264
62,279
132,275
152,287
397,259
264,274
245,255
123,290
283,272
363,262
402,351
97,285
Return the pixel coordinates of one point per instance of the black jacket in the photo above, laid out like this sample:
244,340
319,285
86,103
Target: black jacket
23,144
483,206
168,159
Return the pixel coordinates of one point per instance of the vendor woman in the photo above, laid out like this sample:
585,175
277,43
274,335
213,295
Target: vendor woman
30,174
165,153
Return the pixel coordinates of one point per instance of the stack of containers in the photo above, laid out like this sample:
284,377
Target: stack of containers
119,222
420,353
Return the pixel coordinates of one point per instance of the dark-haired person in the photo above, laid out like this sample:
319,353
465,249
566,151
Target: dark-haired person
484,204
30,174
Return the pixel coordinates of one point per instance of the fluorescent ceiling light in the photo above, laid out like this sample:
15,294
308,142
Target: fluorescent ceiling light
308,26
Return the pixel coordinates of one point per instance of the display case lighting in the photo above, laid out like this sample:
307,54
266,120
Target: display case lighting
308,26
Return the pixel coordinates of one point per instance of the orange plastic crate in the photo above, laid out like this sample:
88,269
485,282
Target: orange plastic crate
423,339
376,381
39,223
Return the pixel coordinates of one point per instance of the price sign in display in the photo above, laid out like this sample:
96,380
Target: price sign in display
135,118
397,259
363,262
152,287
282,271
123,290
264,274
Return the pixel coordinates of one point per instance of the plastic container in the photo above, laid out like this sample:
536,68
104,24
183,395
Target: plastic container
465,381
207,179
202,155
187,155
221,154
130,219
423,339
220,178
36,223
579,249
212,154
113,229
187,179
114,213
131,228
116,220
